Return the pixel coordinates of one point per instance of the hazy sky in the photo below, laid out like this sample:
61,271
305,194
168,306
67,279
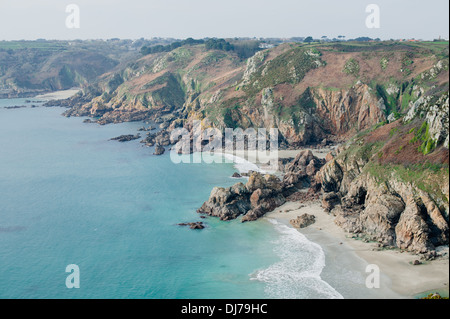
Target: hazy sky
32,19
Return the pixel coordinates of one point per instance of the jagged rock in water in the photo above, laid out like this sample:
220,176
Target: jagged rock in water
126,138
196,225
227,203
161,138
258,196
159,150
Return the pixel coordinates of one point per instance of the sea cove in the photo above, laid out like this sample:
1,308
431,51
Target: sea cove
69,195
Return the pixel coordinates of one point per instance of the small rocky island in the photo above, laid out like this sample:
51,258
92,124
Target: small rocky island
126,138
196,225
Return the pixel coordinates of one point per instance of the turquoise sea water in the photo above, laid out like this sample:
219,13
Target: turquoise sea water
69,195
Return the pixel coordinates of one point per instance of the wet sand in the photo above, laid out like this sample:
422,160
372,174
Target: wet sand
347,259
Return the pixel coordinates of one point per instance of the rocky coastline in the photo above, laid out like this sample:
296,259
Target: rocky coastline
394,213
353,183
263,193
393,217
126,138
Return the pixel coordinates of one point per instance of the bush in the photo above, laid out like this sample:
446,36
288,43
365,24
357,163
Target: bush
351,67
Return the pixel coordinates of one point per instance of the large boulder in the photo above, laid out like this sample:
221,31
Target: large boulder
267,199
159,150
254,214
331,176
303,221
412,230
380,217
255,181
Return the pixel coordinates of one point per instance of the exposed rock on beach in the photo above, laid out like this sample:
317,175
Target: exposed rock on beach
262,193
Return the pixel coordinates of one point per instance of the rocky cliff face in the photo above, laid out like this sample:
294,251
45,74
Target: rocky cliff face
435,111
308,92
394,214
384,186
355,109
176,82
388,183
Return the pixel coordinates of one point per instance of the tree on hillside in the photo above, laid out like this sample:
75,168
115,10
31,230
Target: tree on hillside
309,39
218,44
246,49
363,39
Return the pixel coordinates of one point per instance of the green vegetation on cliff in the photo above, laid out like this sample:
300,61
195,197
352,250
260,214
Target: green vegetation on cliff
423,135
352,67
426,176
402,151
289,67
310,92
170,47
244,49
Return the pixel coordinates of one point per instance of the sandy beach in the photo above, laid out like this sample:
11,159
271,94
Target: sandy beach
346,256
58,95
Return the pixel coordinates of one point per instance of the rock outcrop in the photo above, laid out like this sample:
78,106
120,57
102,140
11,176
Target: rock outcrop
384,197
436,115
343,110
393,218
195,225
261,194
126,138
301,172
303,221
159,150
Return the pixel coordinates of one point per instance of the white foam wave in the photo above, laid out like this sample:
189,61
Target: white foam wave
243,165
297,275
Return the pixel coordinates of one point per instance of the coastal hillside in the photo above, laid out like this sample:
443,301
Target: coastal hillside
160,84
385,103
28,68
310,92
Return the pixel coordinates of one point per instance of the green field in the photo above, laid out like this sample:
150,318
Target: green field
44,45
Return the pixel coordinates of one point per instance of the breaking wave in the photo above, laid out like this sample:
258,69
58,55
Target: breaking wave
297,275
243,165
